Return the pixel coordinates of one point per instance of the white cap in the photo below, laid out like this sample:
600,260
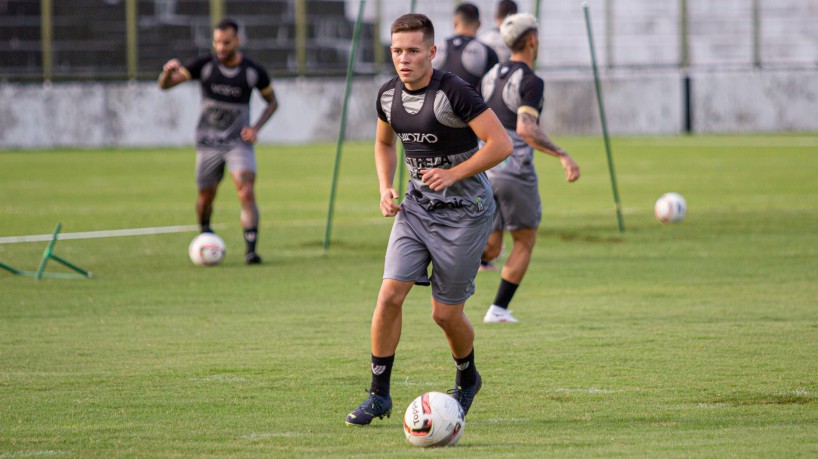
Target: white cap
515,25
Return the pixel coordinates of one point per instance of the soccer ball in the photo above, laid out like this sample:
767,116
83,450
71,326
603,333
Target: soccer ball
670,207
206,249
434,419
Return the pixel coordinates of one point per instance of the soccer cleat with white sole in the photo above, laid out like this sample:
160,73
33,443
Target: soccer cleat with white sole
496,314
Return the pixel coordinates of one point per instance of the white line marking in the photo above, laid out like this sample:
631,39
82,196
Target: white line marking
100,234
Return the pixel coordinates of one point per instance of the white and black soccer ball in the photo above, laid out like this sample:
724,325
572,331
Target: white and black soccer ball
434,419
670,208
206,249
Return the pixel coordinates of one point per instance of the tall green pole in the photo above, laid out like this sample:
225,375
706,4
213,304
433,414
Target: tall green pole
46,37
350,65
603,120
216,12
132,46
301,36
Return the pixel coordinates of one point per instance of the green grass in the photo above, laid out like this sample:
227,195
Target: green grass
695,339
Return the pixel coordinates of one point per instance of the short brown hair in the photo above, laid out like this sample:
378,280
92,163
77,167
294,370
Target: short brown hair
468,13
414,22
227,24
506,8
520,42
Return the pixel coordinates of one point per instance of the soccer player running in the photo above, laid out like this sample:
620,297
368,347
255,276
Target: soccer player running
446,216
224,134
462,54
515,93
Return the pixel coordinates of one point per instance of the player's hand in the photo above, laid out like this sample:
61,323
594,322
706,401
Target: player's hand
437,179
171,66
249,134
389,208
571,168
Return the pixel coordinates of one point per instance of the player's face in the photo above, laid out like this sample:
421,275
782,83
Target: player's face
225,44
412,56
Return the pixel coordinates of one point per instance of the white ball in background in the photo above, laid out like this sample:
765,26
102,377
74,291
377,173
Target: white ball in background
670,208
206,249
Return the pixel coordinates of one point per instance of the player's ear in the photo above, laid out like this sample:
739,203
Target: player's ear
432,52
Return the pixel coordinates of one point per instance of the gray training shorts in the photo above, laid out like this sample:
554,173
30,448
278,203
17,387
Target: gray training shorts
518,205
454,252
210,163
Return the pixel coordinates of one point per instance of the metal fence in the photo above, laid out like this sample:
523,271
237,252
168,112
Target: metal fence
131,39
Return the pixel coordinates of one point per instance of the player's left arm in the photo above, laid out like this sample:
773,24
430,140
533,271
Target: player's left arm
497,148
529,129
250,133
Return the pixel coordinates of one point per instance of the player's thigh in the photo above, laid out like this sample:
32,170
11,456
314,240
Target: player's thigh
518,204
407,256
241,160
209,167
456,253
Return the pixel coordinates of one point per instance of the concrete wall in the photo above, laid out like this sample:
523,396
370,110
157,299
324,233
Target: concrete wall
139,114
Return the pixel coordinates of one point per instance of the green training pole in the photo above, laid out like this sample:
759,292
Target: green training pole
536,15
350,65
402,162
604,122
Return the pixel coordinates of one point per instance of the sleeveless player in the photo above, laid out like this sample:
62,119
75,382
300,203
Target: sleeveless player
462,54
448,210
515,93
224,135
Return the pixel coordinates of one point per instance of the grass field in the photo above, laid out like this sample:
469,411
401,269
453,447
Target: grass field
697,339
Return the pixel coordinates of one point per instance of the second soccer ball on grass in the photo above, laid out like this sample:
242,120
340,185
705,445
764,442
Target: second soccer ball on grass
206,249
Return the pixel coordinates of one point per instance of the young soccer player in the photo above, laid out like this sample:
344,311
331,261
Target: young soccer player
447,214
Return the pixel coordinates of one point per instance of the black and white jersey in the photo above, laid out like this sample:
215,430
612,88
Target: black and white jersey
494,39
226,92
466,57
433,125
506,88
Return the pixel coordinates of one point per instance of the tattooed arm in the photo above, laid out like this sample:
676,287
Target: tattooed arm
529,129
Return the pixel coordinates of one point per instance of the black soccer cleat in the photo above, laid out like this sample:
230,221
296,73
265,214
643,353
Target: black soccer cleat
465,395
252,258
375,406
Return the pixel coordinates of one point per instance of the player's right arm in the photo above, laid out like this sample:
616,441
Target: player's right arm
386,160
529,129
172,74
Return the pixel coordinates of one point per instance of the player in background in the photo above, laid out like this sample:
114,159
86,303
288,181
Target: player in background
462,54
447,213
224,135
515,93
492,36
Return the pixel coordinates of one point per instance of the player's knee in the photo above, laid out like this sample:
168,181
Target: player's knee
246,193
444,317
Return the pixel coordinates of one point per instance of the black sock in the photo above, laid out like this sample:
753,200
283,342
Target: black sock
250,236
381,374
505,292
466,371
205,226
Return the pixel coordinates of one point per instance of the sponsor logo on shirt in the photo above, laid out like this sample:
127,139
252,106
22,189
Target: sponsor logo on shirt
418,137
226,90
